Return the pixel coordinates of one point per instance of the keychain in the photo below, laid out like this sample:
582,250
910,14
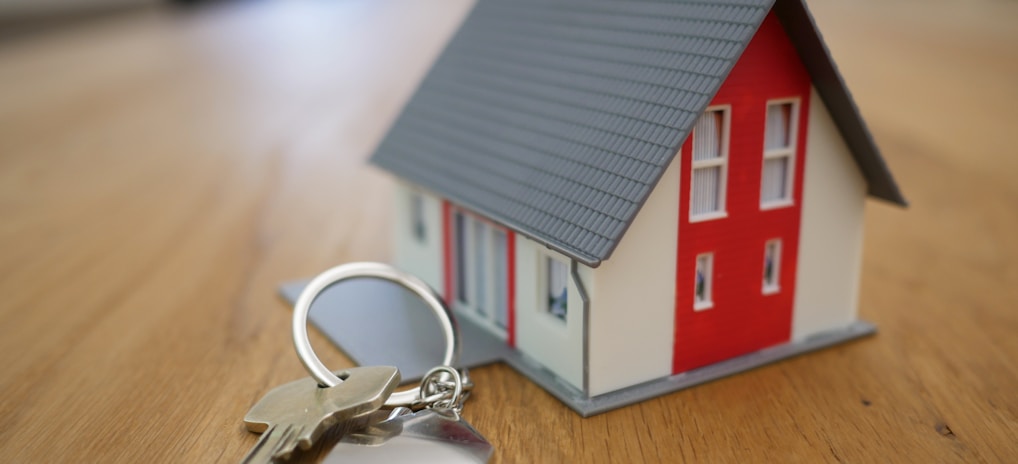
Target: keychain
298,413
436,434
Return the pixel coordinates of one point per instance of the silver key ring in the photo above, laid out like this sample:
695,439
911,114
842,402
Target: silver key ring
347,271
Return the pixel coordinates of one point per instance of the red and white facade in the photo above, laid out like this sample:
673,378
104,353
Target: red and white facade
752,238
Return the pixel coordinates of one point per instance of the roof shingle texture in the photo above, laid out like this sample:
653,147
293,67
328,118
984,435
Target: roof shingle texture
557,118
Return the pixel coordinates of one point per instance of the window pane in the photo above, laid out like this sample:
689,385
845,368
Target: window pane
779,126
772,265
701,285
557,291
707,136
706,190
460,229
417,216
774,185
501,279
480,266
702,281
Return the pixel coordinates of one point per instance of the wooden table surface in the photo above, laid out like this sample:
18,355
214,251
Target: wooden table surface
162,171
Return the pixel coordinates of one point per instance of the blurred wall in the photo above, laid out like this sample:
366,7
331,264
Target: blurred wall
14,9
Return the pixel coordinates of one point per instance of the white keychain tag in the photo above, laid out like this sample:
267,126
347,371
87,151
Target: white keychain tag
428,436
437,434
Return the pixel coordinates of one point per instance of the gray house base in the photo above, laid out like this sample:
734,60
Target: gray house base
377,323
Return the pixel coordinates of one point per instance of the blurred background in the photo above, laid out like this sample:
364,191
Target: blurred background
21,16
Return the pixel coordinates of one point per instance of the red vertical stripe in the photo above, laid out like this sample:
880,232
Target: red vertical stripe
511,288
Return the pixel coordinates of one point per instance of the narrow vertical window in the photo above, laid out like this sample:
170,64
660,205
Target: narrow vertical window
772,266
480,270
420,231
480,266
501,291
556,279
779,154
710,159
703,282
460,229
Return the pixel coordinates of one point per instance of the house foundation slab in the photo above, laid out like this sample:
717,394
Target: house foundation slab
377,323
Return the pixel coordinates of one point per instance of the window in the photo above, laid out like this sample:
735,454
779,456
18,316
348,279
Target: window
417,217
779,154
772,266
703,282
481,270
556,278
460,229
501,278
480,234
710,160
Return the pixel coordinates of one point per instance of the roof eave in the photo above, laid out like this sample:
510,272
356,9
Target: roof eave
830,85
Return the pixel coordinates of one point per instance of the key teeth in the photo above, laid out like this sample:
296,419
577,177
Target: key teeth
287,443
308,435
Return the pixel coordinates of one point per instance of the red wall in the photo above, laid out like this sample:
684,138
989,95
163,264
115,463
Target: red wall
742,319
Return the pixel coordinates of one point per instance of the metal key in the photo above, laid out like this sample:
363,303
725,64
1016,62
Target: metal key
297,413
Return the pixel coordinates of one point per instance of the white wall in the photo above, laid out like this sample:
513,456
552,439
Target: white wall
556,344
632,320
422,259
831,235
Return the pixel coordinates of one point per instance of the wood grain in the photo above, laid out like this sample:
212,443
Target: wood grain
162,172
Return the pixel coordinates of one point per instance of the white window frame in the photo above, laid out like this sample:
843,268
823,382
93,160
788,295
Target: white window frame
777,153
722,161
708,301
543,287
487,314
774,286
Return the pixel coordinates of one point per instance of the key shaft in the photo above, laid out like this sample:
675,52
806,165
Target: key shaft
272,445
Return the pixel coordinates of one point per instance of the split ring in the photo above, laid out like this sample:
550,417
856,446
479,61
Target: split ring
343,272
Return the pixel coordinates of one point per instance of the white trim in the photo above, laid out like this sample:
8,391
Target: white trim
777,204
709,216
774,286
721,161
708,287
777,153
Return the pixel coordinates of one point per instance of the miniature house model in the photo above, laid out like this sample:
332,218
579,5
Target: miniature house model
625,192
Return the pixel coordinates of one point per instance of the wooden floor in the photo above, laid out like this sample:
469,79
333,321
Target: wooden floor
161,172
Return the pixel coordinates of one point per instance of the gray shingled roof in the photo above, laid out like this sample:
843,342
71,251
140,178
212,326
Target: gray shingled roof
558,117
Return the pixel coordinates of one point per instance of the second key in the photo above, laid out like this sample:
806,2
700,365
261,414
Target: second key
297,413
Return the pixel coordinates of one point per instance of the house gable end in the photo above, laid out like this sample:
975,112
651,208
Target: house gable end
807,39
